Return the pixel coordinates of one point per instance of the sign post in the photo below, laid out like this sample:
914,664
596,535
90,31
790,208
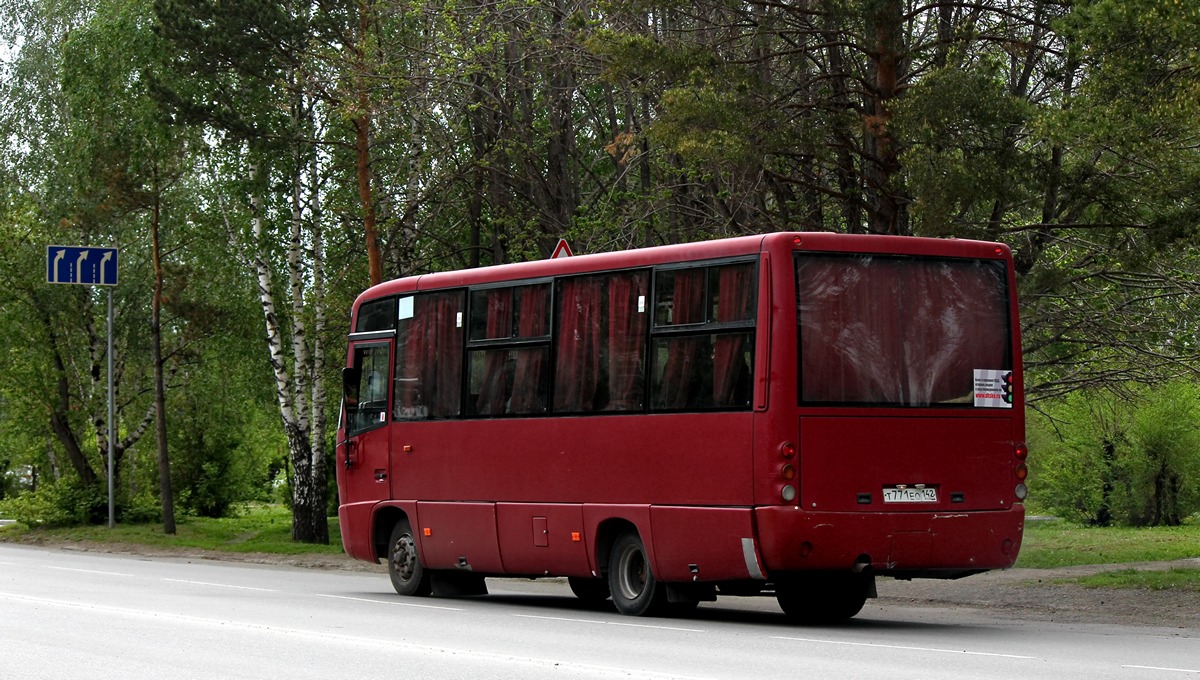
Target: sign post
86,266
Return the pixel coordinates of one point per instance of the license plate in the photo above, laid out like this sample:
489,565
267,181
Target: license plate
909,494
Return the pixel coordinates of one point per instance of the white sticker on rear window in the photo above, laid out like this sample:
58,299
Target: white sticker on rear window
993,389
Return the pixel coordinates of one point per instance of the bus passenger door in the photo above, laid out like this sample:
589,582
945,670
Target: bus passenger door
362,455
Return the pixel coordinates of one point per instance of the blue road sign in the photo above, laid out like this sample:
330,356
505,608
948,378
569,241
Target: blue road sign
81,265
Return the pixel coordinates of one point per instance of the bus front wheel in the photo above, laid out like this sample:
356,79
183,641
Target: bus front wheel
635,590
404,563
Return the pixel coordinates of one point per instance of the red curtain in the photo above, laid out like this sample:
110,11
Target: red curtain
957,321
528,392
735,302
577,365
626,340
685,356
494,384
443,357
410,356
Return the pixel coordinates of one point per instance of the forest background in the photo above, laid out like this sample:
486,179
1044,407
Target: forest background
259,163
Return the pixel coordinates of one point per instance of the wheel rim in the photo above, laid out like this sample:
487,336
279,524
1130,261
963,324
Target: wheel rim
631,573
404,557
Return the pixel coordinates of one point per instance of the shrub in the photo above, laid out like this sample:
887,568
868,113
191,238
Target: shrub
1106,459
66,502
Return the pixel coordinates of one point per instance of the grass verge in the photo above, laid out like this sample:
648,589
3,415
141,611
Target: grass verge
1055,543
1171,579
257,528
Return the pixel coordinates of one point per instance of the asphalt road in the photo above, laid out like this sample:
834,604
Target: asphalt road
87,615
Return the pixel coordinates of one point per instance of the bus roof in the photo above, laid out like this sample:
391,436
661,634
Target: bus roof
702,250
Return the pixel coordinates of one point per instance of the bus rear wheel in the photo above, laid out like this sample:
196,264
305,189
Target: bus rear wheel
635,590
404,563
823,598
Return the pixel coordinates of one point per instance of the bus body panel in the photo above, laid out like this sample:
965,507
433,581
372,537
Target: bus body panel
847,461
702,544
599,459
459,536
542,539
932,544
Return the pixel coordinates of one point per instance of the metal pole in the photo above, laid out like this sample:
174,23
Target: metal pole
111,505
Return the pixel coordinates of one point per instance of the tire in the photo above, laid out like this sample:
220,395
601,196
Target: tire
590,590
819,599
635,591
409,576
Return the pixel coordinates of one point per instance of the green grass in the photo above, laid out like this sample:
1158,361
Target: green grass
1055,543
1172,579
257,528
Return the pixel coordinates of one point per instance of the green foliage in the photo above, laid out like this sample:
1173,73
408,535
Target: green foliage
64,503
253,527
1058,543
1102,458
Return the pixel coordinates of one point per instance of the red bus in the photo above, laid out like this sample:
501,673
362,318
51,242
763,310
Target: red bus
790,414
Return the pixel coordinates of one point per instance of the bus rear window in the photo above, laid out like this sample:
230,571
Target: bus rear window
898,331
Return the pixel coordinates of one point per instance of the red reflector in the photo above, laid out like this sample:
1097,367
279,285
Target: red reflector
1021,451
796,240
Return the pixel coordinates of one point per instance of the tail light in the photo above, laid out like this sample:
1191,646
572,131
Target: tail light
1021,471
787,472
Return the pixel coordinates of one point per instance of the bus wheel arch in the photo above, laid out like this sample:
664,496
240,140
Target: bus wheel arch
384,521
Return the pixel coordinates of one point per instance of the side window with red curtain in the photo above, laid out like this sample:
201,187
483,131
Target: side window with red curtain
508,351
702,342
429,356
600,331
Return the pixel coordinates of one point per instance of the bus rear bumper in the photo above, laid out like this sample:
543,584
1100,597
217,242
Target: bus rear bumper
902,544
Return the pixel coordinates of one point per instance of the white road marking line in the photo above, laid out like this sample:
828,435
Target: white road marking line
383,646
389,602
218,585
608,623
1172,670
911,649
91,571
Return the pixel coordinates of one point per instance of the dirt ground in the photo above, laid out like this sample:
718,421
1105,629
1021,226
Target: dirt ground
1024,593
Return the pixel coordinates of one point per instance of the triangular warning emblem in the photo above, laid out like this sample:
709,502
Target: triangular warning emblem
561,250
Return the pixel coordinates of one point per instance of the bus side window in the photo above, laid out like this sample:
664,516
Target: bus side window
703,339
509,351
366,400
429,349
600,351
